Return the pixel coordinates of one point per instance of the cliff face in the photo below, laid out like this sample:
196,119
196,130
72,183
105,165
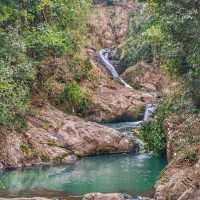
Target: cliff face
108,25
180,180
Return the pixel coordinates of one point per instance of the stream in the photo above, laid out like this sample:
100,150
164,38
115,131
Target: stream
134,174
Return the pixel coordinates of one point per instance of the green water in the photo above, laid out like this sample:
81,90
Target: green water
132,174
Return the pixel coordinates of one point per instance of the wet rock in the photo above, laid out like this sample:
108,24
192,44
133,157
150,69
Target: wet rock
54,137
117,102
110,196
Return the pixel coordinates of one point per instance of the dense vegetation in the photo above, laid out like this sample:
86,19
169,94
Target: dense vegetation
30,32
167,32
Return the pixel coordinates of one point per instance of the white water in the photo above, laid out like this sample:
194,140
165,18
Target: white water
104,57
150,108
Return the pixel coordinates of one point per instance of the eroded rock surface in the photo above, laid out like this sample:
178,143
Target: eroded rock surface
181,178
108,25
54,137
149,78
112,101
109,196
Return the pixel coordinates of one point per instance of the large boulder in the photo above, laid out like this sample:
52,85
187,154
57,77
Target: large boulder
113,101
147,77
54,137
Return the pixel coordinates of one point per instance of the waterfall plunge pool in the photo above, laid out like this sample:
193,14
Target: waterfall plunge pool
134,174
126,173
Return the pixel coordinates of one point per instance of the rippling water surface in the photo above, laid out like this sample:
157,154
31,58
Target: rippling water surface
133,174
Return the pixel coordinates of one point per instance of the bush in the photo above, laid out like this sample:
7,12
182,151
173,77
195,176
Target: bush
191,155
77,98
31,31
144,40
83,71
154,136
193,85
46,41
16,76
153,132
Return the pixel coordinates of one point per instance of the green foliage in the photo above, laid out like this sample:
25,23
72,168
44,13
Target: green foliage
153,132
180,22
144,41
16,75
193,85
30,31
168,32
76,98
191,155
84,71
154,136
47,41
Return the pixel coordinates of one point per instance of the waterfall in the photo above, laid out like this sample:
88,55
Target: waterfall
150,109
103,54
104,58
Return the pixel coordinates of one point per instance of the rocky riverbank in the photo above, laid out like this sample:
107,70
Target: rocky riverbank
54,137
180,180
90,196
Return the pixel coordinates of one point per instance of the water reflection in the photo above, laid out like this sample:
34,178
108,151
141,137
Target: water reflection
111,173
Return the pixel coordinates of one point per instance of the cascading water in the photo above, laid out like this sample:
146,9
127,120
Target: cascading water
104,58
150,108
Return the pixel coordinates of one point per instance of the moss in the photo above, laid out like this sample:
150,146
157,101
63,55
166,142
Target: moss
45,158
52,142
190,155
25,149
60,158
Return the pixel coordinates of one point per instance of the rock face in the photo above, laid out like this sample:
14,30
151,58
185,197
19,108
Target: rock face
146,77
109,24
113,101
54,137
181,178
110,196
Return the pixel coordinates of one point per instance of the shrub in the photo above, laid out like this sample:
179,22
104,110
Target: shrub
30,31
16,76
153,132
83,71
193,85
190,155
46,41
76,97
154,136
